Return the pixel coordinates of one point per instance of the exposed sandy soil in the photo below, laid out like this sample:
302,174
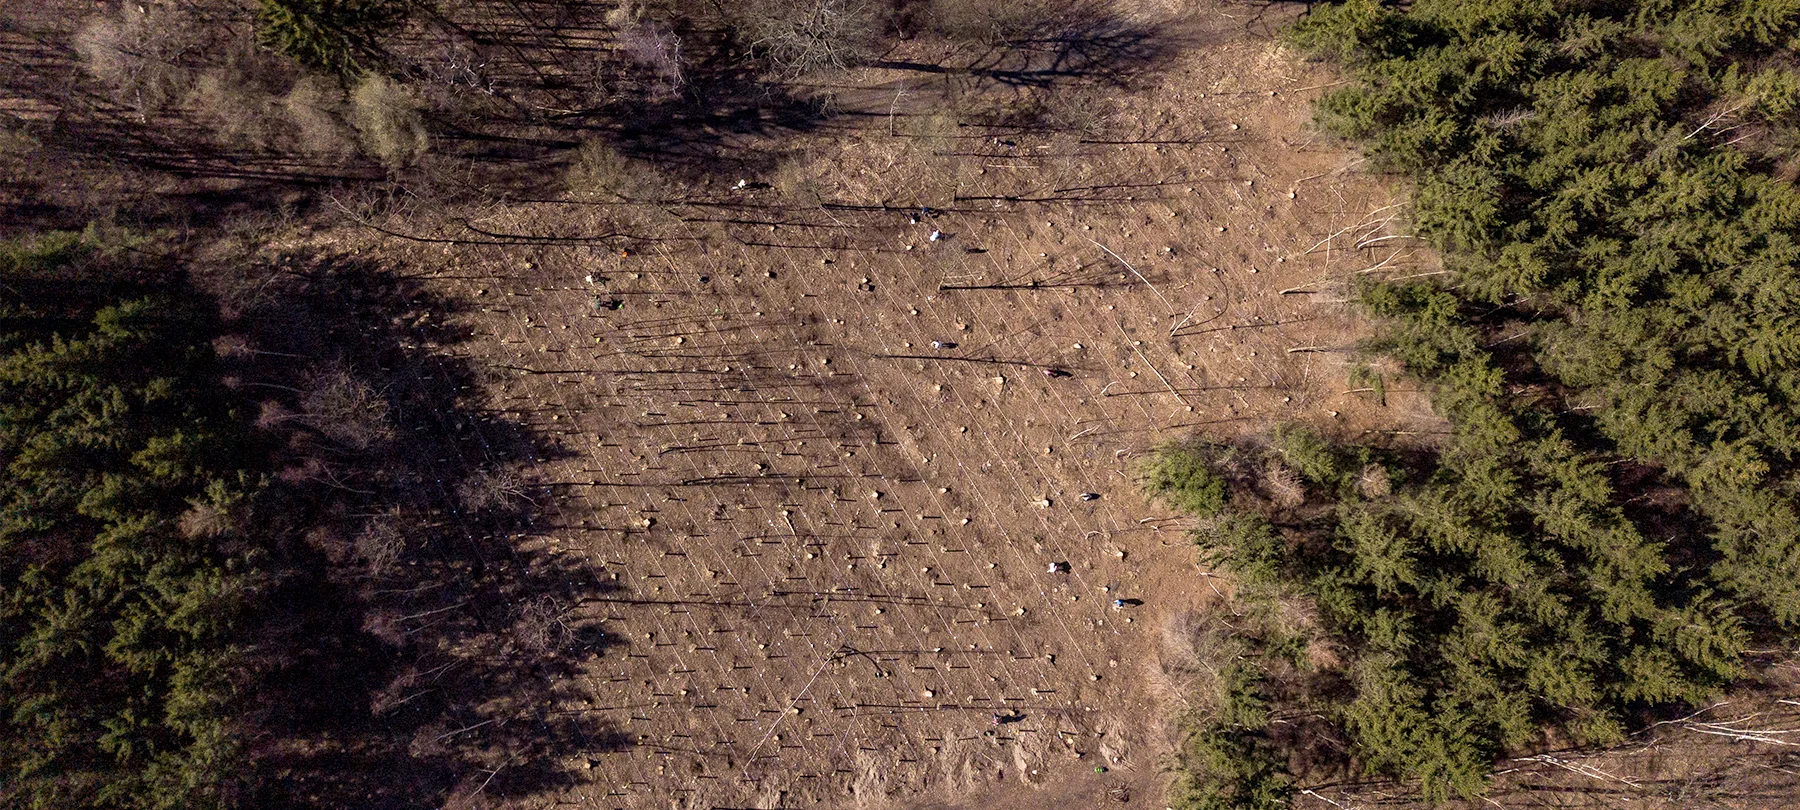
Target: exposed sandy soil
831,541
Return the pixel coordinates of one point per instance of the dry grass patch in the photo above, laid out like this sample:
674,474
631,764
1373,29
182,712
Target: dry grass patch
310,107
388,117
136,53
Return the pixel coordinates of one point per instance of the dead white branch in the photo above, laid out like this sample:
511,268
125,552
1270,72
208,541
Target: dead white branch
1140,276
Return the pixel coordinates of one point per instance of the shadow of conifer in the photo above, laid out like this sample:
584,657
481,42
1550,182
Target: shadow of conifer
413,649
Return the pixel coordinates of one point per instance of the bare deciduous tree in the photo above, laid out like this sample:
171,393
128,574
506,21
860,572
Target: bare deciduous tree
650,47
541,626
797,37
136,53
492,489
459,63
381,541
346,410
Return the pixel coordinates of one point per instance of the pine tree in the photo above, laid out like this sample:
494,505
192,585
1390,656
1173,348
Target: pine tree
118,632
333,36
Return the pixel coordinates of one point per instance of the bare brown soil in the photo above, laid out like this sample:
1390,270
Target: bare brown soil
829,542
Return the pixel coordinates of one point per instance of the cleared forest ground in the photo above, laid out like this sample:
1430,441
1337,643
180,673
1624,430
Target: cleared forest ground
826,544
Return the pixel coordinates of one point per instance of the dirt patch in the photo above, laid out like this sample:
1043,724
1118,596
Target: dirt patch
826,434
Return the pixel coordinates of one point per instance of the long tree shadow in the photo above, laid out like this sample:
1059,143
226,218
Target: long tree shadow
1085,41
413,649
542,83
510,88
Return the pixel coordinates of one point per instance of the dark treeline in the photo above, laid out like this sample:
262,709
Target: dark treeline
255,543
1614,521
129,571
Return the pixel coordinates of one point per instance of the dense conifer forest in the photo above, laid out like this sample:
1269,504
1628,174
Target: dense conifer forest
1613,520
128,571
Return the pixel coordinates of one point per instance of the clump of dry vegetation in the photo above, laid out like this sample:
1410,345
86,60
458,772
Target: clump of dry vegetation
1194,652
389,120
798,37
651,49
310,108
238,112
381,541
989,22
17,143
137,52
600,168
347,410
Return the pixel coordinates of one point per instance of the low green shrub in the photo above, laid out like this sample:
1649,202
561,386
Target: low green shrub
1184,477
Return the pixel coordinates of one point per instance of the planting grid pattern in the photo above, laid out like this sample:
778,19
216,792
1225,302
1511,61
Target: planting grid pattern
825,544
